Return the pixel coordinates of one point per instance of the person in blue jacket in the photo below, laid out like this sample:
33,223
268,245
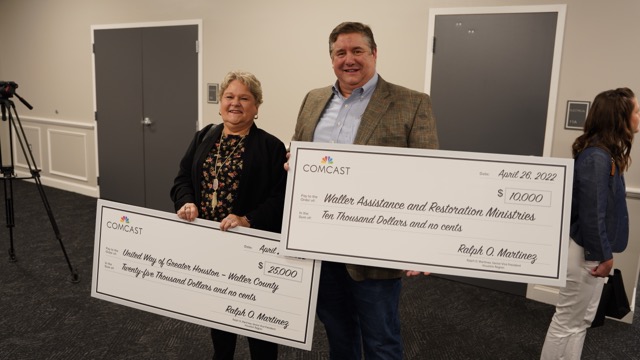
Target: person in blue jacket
599,217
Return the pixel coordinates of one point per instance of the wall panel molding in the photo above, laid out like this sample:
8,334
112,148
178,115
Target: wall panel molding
33,144
67,154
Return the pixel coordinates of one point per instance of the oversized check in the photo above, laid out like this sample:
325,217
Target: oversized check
503,217
233,281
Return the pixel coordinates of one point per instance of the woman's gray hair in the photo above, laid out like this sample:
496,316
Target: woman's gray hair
248,79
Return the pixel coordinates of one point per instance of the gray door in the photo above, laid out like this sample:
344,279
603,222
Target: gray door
491,78
147,110
490,81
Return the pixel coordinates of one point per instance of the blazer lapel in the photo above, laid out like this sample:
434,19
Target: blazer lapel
377,107
312,111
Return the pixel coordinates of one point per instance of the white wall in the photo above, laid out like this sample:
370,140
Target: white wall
45,46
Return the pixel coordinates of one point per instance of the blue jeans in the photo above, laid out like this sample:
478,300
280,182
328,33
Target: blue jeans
359,315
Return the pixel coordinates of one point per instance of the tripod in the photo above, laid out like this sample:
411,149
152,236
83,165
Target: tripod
9,175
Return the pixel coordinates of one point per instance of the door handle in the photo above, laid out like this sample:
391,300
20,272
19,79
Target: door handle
147,122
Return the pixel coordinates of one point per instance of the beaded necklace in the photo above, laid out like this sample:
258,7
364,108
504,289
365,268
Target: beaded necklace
218,165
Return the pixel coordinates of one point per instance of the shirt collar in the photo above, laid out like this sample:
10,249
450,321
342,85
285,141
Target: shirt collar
367,89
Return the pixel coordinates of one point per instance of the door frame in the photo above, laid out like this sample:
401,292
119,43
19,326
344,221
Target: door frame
197,22
541,293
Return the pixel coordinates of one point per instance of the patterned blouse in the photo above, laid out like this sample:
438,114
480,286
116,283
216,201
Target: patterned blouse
223,163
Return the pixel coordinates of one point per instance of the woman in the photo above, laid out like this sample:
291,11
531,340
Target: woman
232,173
599,217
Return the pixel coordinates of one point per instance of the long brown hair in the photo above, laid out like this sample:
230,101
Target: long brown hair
608,126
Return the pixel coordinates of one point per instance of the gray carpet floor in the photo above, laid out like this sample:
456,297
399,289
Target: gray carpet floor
45,316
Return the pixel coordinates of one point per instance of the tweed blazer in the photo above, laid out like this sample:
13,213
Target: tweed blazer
396,116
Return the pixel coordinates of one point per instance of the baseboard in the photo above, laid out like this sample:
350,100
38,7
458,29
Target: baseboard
542,293
63,185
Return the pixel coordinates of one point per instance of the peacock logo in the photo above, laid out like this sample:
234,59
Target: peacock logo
327,160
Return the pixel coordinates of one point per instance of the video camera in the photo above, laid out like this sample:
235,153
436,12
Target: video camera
7,89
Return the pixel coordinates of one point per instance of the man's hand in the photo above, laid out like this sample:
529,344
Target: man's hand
416,273
286,165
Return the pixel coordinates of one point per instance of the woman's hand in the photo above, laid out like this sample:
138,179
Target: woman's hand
232,221
603,269
188,211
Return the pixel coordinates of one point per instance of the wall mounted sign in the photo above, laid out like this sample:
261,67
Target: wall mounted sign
576,114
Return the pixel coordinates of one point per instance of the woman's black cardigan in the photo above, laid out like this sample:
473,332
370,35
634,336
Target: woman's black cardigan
262,181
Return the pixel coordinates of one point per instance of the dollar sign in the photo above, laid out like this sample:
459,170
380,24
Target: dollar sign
260,265
499,192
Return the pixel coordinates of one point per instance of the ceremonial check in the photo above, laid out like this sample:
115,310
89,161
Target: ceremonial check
230,280
502,217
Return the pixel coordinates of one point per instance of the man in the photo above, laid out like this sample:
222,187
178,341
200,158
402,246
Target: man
358,305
